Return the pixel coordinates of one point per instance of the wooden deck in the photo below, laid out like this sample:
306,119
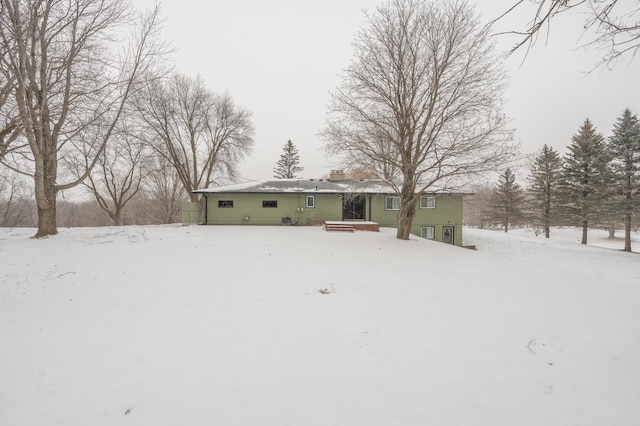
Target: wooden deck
351,226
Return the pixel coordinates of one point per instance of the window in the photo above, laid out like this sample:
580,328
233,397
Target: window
427,202
225,204
272,204
311,201
428,232
392,203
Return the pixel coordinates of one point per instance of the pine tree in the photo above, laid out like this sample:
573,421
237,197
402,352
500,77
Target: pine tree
508,198
624,146
288,165
545,179
584,179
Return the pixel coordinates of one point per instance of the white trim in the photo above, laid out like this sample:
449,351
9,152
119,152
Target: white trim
427,202
424,232
393,199
311,204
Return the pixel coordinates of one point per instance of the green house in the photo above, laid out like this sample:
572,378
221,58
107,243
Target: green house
314,201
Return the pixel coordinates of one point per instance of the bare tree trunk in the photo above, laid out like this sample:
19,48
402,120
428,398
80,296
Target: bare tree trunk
506,222
627,232
407,211
117,217
612,231
585,230
46,195
547,220
405,220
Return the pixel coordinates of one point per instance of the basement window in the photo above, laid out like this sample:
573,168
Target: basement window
427,202
311,201
392,203
225,204
269,204
428,232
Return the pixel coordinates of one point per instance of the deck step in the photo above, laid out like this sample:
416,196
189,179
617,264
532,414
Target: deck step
338,227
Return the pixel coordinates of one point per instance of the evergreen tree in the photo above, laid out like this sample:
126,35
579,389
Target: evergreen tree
624,146
508,198
288,165
584,178
545,179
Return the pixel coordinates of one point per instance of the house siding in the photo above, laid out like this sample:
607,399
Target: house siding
247,209
448,212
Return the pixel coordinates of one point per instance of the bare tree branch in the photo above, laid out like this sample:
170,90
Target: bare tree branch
614,23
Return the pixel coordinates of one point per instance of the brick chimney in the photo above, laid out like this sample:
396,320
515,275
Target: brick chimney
336,175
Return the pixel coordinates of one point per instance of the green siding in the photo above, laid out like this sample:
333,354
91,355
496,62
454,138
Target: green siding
247,210
191,213
448,212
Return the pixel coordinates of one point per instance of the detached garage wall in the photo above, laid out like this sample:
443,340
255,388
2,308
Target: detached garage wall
192,213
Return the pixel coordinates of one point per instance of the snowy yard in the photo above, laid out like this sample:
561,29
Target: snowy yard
171,325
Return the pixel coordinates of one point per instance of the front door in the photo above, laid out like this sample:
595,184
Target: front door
353,207
447,234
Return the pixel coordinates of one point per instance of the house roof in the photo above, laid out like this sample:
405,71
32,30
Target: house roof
366,186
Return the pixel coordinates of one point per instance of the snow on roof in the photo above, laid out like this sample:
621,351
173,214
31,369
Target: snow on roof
304,185
367,186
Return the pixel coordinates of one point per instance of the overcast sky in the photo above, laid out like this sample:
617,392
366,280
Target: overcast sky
281,58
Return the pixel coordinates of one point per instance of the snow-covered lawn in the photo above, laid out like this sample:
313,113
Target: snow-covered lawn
171,325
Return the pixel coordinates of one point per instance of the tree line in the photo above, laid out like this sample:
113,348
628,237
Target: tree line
88,99
596,184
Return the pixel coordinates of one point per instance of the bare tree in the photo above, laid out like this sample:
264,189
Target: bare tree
614,23
387,157
421,100
10,124
202,135
117,177
72,80
16,203
163,191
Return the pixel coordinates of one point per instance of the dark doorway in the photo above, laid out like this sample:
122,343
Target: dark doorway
353,207
447,234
